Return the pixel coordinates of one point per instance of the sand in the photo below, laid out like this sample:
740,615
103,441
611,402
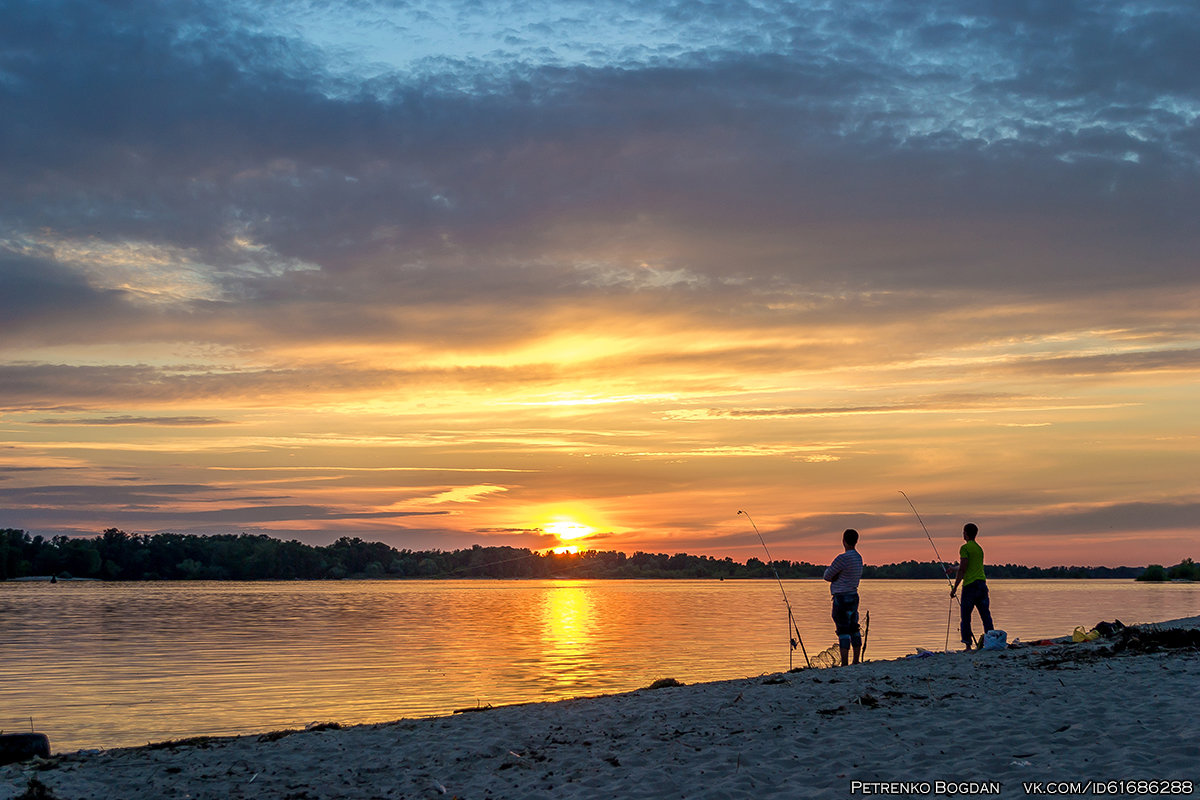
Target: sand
947,723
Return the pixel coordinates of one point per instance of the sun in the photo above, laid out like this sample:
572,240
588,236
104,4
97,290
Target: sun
568,529
569,532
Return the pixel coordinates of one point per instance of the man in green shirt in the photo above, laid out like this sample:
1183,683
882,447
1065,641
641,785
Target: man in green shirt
975,591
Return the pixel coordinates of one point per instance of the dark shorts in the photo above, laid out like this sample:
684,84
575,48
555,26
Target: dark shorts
845,613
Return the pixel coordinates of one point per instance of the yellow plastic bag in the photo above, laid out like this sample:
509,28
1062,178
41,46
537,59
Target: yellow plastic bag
1080,635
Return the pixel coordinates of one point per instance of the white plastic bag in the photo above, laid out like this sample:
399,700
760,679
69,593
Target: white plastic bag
995,640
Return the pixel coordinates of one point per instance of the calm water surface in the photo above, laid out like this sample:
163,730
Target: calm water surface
117,664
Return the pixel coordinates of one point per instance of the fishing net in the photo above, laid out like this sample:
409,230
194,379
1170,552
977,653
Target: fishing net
829,657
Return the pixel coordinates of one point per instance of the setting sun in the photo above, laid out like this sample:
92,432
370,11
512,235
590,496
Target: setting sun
566,530
569,532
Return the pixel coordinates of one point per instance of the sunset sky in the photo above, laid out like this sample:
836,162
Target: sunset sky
442,273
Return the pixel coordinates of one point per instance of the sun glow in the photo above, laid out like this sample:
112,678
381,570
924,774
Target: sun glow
569,532
566,530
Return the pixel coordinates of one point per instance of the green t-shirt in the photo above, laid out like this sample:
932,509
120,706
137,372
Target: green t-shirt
973,553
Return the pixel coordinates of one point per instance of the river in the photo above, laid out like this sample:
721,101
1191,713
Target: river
98,665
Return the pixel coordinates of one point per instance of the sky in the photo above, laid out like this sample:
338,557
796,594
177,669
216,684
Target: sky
439,274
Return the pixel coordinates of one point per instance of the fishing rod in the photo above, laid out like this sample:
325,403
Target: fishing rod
791,618
945,567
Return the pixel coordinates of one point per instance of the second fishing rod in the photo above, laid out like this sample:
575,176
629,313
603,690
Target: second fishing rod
945,568
791,617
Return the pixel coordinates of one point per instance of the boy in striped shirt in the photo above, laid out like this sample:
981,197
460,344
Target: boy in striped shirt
843,575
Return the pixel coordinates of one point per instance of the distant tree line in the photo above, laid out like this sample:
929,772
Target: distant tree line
1186,570
116,555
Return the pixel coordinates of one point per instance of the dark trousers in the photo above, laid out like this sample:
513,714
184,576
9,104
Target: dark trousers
975,595
845,619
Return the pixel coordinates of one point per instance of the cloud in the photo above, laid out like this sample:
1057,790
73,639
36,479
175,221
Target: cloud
430,188
130,420
16,470
1145,361
34,289
896,536
461,494
142,507
83,495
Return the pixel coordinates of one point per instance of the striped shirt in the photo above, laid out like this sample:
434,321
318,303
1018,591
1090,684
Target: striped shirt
844,573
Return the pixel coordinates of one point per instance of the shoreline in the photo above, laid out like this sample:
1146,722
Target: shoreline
1062,712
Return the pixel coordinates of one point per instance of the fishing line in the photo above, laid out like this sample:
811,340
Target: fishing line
949,615
945,567
791,618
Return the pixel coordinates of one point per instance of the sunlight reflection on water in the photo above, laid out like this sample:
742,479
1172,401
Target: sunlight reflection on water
113,664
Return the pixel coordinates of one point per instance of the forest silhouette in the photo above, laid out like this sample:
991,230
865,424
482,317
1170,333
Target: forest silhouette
117,555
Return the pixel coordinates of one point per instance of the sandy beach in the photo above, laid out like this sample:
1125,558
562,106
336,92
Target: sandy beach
1024,721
